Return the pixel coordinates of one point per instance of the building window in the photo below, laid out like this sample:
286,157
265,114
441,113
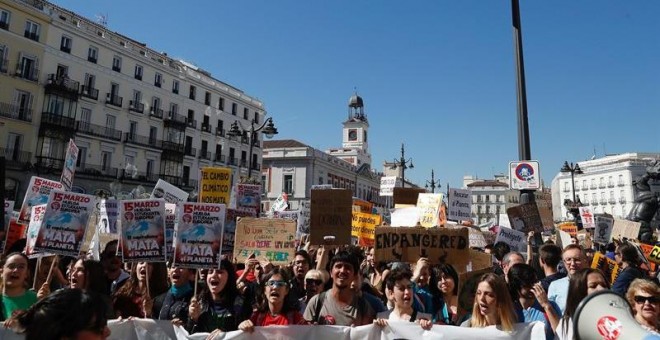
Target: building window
82,155
4,19
158,79
246,113
221,104
288,184
4,50
150,167
153,134
65,44
175,86
193,92
92,54
32,30
138,72
106,159
207,98
234,108
174,109
116,64
27,68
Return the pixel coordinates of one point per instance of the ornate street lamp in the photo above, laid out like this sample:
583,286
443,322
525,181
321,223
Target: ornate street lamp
403,164
267,128
433,183
574,169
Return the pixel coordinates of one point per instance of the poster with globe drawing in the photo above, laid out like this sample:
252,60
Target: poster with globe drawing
143,230
64,224
37,193
37,216
198,234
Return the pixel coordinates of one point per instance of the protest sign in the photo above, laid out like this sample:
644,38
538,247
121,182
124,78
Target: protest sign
587,216
563,238
477,239
606,265
170,225
229,234
570,228
15,232
248,197
439,245
406,195
459,205
546,217
215,185
8,212
293,215
36,219
625,228
362,206
654,255
37,193
404,217
514,238
387,185
143,230
303,220
364,227
65,223
603,232
69,167
280,204
525,218
429,209
331,216
108,216
274,239
168,192
198,234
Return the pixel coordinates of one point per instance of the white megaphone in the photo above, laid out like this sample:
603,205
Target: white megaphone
605,315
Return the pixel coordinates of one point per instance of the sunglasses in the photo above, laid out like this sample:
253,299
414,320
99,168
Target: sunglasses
310,282
642,299
276,283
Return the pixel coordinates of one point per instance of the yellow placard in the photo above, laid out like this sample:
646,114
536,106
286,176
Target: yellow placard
654,255
215,185
429,209
364,225
571,229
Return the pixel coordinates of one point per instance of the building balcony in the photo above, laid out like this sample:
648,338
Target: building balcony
89,92
46,164
98,131
65,49
577,188
203,154
16,158
243,163
172,118
256,166
611,201
157,83
622,200
92,59
173,146
31,74
174,180
156,112
192,123
95,171
63,85
220,132
610,184
136,139
135,106
31,35
116,68
206,128
54,119
233,161
245,140
594,202
567,189
219,158
113,99
603,201
190,152
593,186
15,112
256,143
601,186
139,176
620,184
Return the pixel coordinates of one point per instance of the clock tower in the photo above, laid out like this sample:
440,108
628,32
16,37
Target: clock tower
355,134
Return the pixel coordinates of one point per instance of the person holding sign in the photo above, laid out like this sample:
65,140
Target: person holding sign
173,304
134,297
492,305
15,295
274,308
398,289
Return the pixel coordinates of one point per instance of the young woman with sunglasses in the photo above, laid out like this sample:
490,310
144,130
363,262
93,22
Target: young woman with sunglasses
274,307
644,296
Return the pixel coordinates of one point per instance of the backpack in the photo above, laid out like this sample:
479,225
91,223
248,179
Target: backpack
362,307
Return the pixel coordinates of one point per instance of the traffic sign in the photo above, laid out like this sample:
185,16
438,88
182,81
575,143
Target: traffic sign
524,175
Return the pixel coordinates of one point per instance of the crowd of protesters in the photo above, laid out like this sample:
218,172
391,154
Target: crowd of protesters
343,286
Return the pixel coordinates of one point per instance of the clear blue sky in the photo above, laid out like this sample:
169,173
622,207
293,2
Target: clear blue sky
437,75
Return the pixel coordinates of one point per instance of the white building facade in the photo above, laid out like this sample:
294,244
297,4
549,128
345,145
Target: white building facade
488,197
606,184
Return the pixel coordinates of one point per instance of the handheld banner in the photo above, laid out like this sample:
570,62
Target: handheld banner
303,220
248,198
654,255
199,234
280,204
439,245
404,217
37,193
460,204
625,228
37,217
477,239
229,235
606,265
587,217
363,206
65,223
570,228
364,227
603,232
429,209
69,167
525,218
215,185
514,238
387,185
274,239
143,230
169,192
331,216
108,216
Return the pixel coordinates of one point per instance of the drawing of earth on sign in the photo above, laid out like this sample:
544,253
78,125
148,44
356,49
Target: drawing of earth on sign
200,232
248,201
142,228
67,222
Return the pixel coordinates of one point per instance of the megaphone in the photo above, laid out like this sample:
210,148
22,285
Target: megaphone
605,315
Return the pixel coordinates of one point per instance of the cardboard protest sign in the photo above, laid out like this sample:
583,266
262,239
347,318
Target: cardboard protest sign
37,193
525,218
459,204
37,218
478,261
248,197
170,227
65,223
215,185
229,235
274,239
406,195
608,266
168,192
303,220
477,239
364,227
69,167
588,221
143,230
8,212
625,228
603,232
570,228
198,234
429,209
362,206
514,238
546,217
108,216
331,216
404,217
439,245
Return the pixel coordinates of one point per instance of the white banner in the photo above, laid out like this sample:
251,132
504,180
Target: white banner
387,185
587,216
168,192
459,205
147,329
404,217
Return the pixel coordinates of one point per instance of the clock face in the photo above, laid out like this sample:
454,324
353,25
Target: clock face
352,135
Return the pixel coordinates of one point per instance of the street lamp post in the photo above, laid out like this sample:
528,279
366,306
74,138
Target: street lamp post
267,128
403,164
573,169
433,183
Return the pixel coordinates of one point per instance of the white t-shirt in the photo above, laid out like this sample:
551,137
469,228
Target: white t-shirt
394,317
566,334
